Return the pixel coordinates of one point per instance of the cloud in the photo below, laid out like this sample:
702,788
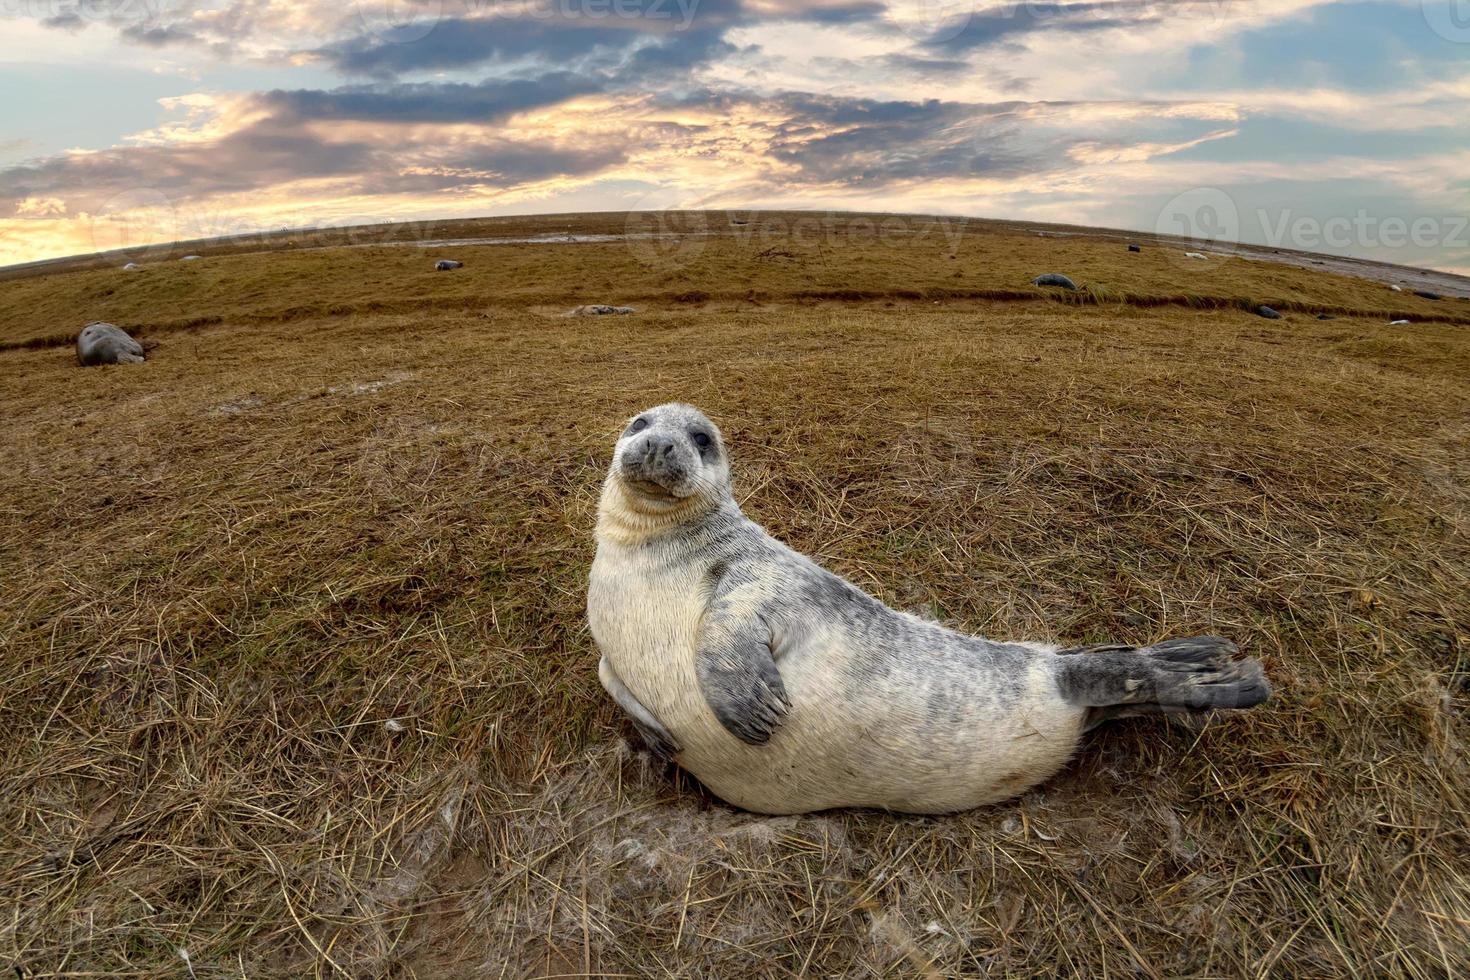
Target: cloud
397,139
659,35
41,207
856,143
495,164
676,54
1365,46
485,102
261,155
1052,110
466,42
902,61
502,133
159,37
1009,21
66,21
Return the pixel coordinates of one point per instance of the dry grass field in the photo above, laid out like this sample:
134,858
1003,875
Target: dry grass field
297,680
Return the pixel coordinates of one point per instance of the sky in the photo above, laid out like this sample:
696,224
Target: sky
1341,127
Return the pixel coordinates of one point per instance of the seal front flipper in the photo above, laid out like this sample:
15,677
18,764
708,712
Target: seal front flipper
654,734
738,675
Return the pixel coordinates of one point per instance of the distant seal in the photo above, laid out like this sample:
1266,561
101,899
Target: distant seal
786,689
103,343
602,309
447,265
1054,279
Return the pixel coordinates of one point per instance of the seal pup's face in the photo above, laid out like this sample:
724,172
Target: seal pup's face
669,456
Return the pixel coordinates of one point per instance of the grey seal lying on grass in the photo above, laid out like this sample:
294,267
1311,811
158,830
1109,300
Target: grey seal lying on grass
602,309
785,689
103,343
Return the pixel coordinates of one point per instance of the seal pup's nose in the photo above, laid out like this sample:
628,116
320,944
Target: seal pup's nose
655,458
657,446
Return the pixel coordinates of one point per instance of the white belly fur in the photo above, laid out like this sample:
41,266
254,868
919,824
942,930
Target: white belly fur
832,750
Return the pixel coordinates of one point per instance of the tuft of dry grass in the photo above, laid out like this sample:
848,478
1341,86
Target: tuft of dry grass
298,678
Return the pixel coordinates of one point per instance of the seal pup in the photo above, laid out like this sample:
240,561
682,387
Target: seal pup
602,309
104,343
786,689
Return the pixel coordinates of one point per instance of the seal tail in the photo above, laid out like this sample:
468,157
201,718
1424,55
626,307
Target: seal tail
1192,675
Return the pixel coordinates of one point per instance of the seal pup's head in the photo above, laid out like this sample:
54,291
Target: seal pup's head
669,466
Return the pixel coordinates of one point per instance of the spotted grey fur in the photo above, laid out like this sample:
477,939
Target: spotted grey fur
785,688
104,343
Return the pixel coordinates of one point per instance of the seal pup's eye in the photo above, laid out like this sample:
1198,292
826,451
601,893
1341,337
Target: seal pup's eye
638,425
701,440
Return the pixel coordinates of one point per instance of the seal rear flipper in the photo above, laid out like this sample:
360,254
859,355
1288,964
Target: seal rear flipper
1193,674
738,675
